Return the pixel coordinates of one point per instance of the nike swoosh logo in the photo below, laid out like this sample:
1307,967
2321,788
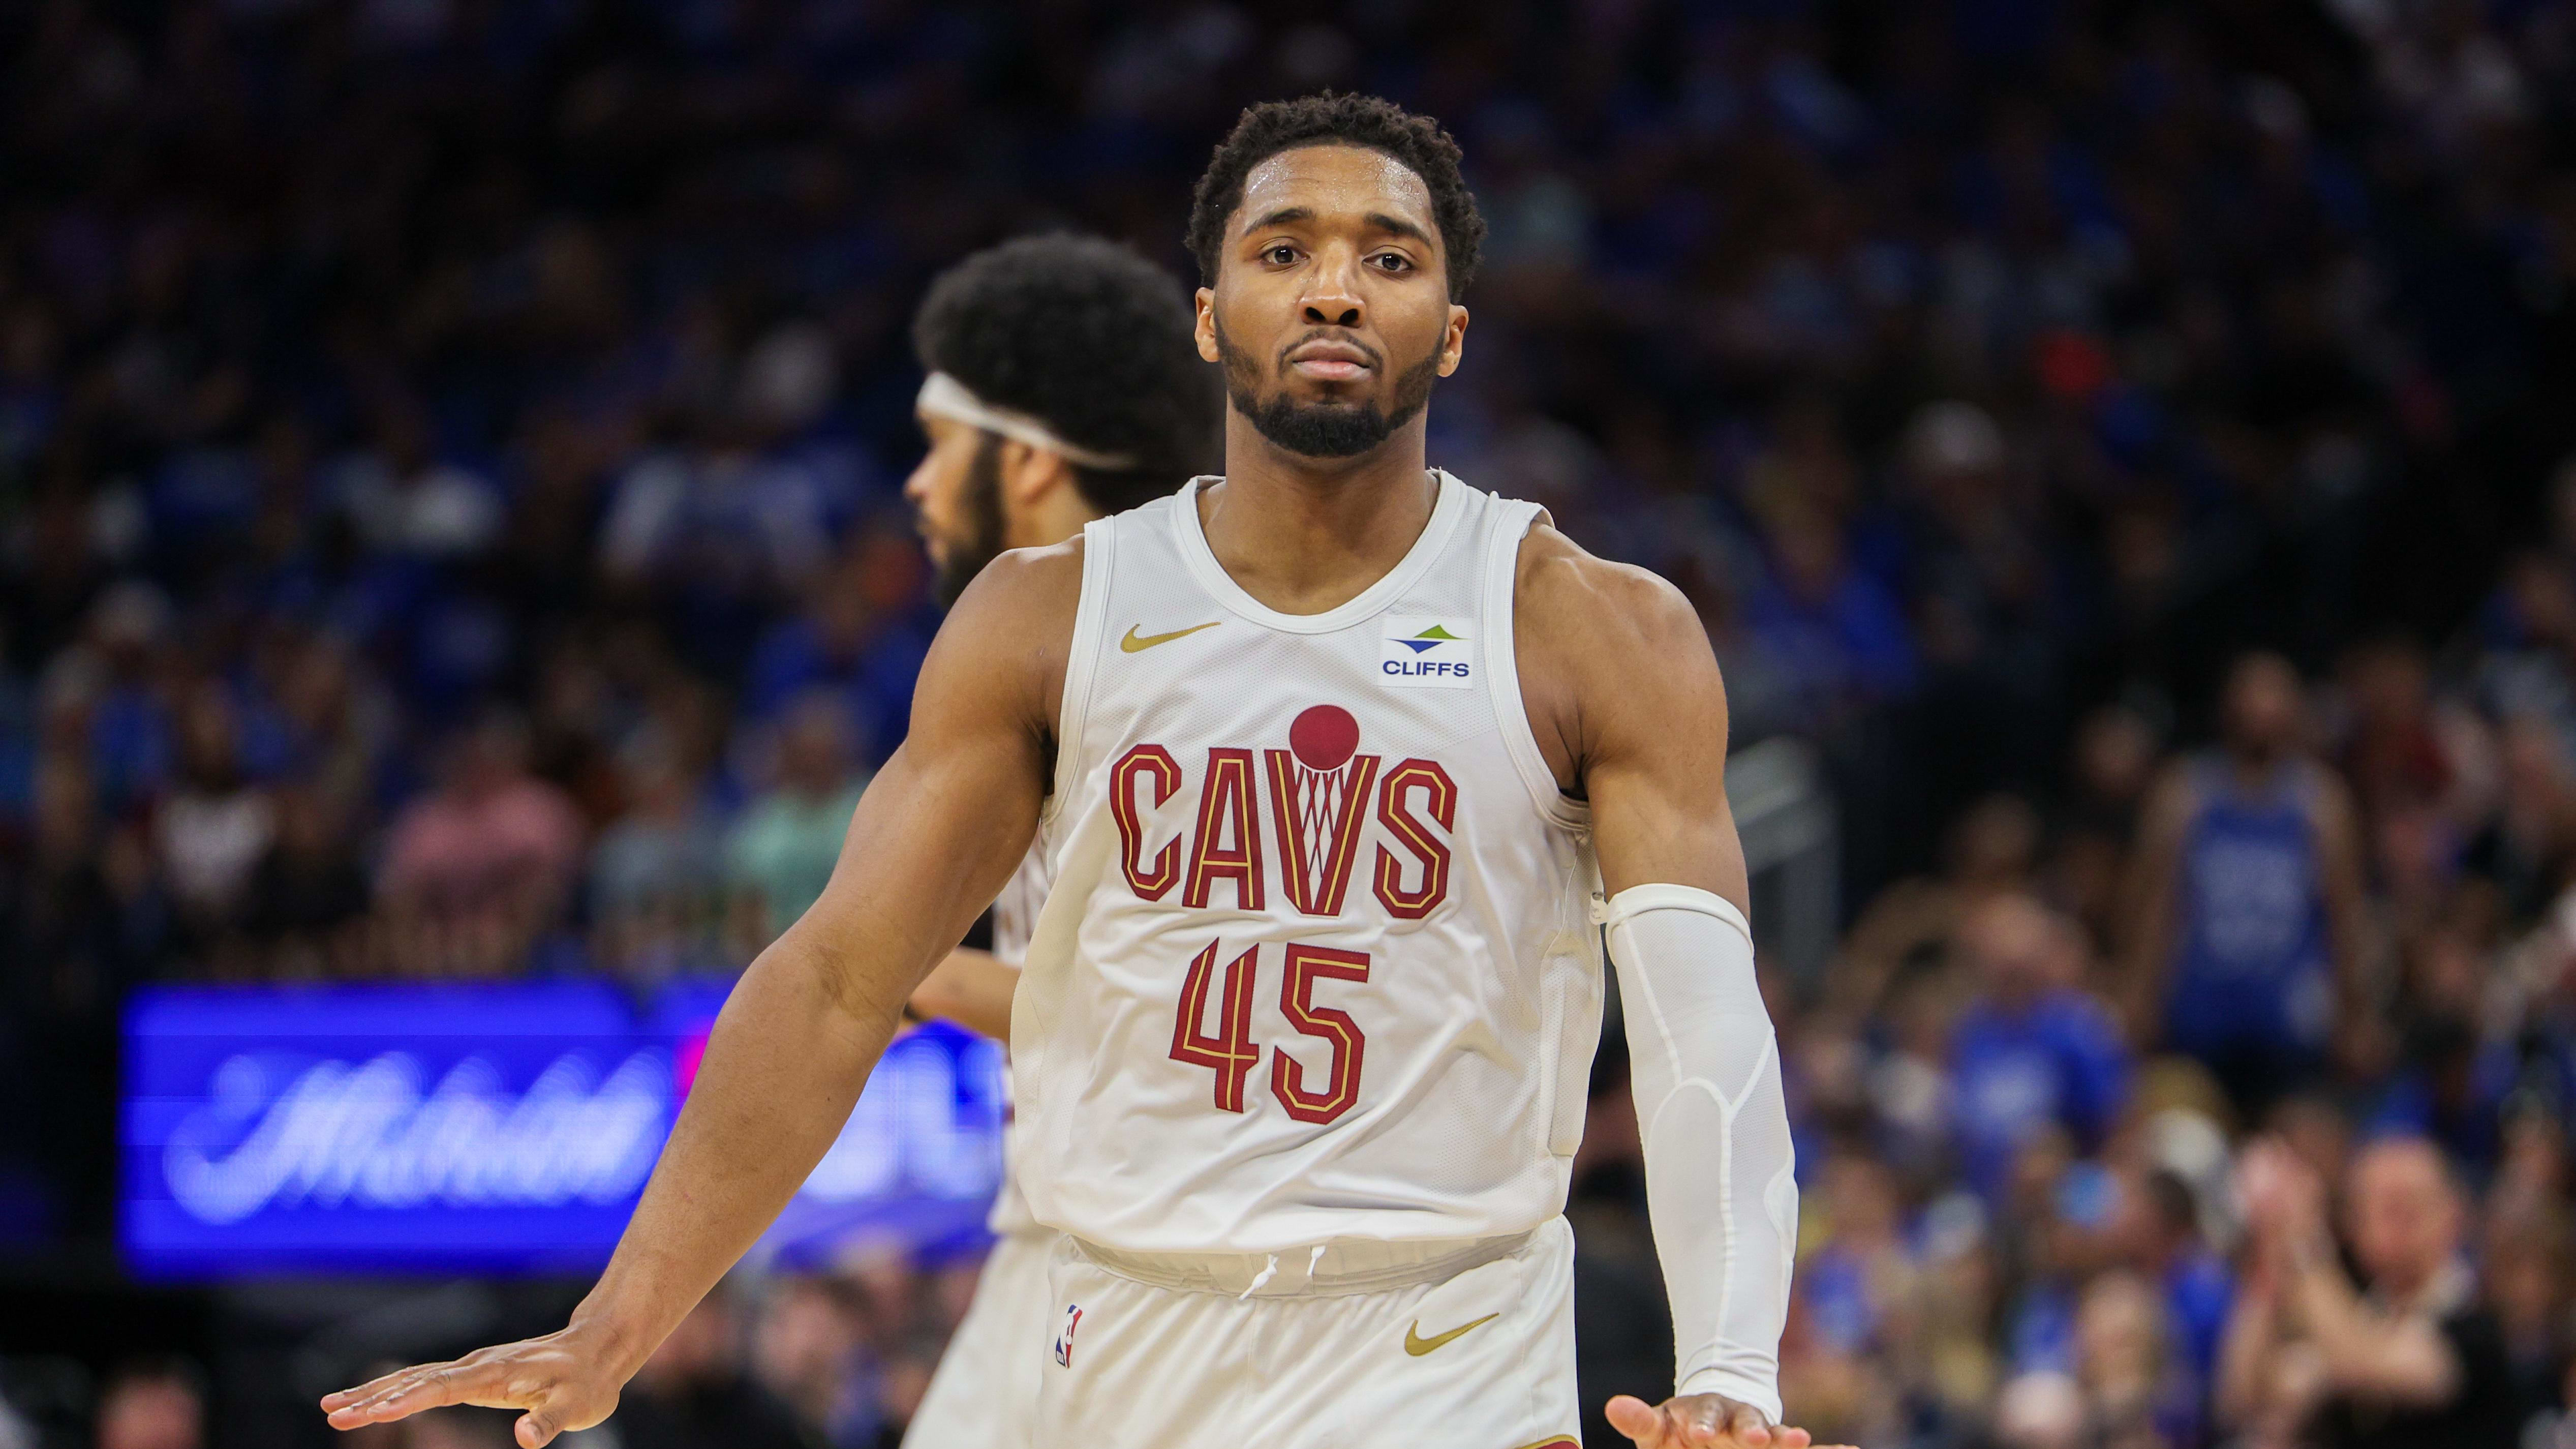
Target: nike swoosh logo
1135,641
1416,1345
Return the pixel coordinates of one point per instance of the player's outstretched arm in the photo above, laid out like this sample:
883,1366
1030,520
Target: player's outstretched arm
1624,692
935,837
973,989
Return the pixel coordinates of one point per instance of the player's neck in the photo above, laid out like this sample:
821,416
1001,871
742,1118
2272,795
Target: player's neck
1047,521
1306,535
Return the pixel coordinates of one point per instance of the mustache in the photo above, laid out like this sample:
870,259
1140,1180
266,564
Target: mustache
1376,359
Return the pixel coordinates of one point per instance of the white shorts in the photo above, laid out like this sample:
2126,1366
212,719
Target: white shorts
1449,1345
984,1395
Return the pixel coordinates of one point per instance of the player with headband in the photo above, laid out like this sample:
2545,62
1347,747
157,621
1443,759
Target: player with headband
1029,347
1300,1062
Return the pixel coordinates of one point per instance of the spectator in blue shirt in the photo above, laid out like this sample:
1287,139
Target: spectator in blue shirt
2032,1050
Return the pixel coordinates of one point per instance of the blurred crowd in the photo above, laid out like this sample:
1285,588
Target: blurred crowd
449,528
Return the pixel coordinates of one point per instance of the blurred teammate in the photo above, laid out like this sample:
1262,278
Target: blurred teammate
2245,920
1064,386
1340,765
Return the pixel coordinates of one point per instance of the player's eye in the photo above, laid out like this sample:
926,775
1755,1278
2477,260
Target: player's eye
1280,254
1392,262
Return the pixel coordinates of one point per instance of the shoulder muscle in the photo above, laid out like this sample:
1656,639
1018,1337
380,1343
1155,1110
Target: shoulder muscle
1003,648
1601,643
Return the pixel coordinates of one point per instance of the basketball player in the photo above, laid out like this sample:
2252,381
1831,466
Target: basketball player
2248,906
1338,762
1063,386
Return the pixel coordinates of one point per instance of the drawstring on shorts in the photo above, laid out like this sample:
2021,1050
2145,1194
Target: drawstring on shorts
1270,1270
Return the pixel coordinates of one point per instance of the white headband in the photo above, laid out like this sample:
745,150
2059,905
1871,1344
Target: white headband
943,396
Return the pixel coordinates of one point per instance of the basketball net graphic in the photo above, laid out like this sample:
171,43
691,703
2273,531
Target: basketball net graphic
1324,741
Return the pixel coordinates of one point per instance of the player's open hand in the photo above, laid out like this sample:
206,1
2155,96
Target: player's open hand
1700,1421
562,1381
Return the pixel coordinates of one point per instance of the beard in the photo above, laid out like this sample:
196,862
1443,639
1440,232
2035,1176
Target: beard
1323,430
982,541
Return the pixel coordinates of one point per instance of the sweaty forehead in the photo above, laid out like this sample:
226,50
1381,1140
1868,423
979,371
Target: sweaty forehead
1336,182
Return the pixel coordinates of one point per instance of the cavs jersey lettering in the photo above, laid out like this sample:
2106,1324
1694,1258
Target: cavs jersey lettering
1317,960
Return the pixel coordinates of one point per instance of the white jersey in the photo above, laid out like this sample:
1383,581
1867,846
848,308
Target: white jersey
985,1392
1318,963
1015,916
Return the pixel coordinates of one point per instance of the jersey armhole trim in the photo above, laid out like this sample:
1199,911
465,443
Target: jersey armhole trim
1502,668
1099,551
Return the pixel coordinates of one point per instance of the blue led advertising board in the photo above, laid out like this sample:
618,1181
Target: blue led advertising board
491,1128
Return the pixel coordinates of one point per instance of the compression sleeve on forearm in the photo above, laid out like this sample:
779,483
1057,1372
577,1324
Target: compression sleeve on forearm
1705,1069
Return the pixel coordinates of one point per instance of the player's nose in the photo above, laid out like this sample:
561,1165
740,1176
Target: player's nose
1332,296
1332,312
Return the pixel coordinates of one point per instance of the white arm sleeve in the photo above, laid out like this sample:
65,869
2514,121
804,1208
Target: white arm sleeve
1706,1072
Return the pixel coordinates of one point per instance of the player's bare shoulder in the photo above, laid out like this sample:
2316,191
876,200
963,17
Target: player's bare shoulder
1601,645
1006,642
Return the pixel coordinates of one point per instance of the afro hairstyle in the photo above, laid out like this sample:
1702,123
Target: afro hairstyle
1093,340
1329,118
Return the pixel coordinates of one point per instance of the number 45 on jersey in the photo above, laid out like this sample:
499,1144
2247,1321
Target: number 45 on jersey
1320,791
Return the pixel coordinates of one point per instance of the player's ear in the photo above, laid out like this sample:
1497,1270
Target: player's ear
1203,327
1029,474
1453,341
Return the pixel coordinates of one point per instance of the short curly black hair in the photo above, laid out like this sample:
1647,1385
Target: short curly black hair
1091,339
1329,118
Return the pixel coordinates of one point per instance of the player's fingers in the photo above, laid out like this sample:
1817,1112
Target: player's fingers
1700,1421
360,1405
1642,1422
1746,1423
374,1386
431,1387
537,1428
408,1393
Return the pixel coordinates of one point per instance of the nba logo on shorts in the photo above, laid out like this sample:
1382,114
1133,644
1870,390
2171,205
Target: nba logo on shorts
1064,1340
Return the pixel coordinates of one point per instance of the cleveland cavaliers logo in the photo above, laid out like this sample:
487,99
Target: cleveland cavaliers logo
1320,792
1315,795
